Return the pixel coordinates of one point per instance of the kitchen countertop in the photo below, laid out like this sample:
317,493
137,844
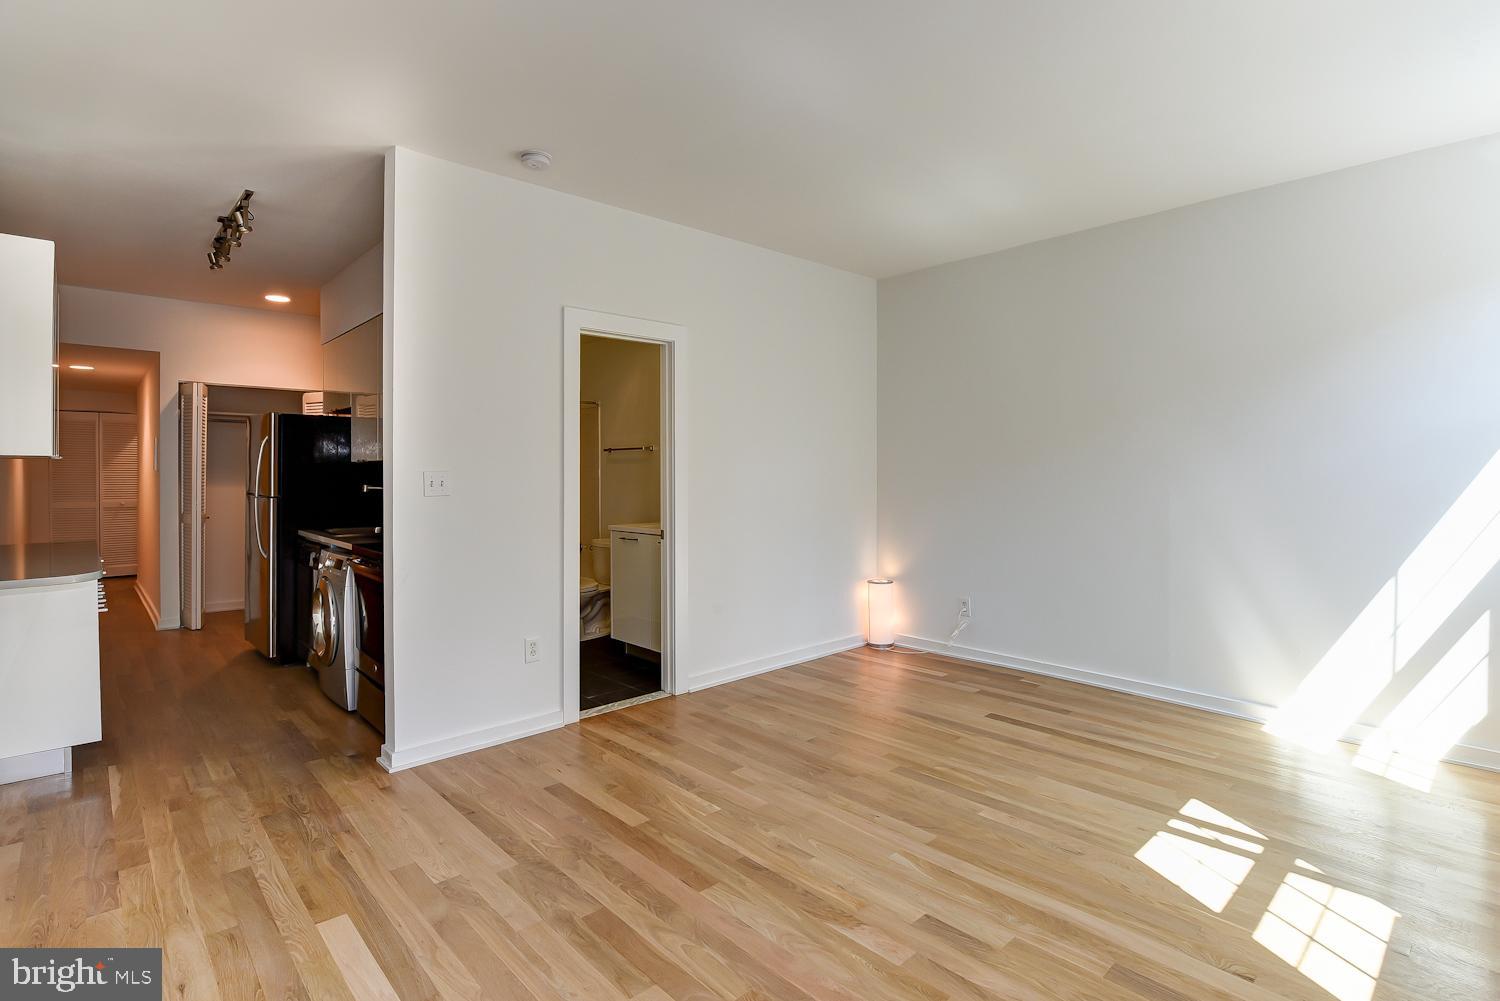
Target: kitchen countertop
37,564
639,528
340,538
373,553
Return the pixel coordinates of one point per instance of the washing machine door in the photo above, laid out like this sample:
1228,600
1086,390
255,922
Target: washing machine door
323,645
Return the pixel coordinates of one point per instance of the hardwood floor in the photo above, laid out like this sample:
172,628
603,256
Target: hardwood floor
867,826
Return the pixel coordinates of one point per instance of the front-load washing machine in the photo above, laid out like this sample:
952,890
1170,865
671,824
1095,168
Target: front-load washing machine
333,647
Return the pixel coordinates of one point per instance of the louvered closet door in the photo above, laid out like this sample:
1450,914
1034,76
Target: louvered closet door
73,493
119,492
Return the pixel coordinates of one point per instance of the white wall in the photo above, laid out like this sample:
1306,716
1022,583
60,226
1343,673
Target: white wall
782,453
101,401
198,343
253,402
1188,449
148,512
24,513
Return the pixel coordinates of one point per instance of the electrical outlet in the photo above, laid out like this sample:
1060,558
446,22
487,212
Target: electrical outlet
435,483
965,610
533,649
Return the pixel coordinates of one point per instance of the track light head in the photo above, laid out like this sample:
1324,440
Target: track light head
232,229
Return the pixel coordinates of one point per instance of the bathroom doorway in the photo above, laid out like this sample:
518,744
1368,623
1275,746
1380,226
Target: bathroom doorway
619,484
619,507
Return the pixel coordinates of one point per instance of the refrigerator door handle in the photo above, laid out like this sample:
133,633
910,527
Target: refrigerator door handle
260,455
255,517
255,508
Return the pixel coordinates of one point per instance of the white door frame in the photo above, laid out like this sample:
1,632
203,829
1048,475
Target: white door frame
674,590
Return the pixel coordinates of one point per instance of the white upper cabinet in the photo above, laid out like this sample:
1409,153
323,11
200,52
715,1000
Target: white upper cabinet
353,295
28,346
350,319
351,361
351,373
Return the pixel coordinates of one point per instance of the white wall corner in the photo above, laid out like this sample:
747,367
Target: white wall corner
750,668
149,603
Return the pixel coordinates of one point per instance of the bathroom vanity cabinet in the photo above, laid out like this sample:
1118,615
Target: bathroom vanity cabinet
635,584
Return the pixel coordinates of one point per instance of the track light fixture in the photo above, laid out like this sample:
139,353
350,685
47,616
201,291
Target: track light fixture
232,230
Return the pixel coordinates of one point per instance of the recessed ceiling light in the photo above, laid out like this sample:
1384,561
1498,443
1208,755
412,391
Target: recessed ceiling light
82,368
278,297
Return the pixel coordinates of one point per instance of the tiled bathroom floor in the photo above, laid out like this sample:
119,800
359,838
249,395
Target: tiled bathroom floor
606,674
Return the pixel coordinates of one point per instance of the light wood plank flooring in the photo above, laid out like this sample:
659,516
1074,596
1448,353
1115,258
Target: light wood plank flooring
867,826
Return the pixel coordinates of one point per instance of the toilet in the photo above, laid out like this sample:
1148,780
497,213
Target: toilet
593,590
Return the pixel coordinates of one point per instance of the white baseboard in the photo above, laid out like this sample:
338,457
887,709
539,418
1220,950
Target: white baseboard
395,760
148,602
21,767
1458,754
227,605
750,668
1461,754
163,620
1161,693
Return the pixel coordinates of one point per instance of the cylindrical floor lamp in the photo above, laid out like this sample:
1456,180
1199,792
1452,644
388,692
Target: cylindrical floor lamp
880,598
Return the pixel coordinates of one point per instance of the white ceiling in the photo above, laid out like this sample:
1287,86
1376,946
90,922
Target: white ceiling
876,137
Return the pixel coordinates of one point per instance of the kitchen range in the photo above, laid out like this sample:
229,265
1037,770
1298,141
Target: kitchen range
303,604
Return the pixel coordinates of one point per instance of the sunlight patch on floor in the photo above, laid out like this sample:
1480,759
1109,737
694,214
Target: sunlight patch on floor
1208,874
1334,937
1199,810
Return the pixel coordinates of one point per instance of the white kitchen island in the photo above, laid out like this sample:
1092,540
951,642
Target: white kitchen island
49,656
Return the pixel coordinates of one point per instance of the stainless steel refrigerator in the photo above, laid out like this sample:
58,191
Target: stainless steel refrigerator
301,476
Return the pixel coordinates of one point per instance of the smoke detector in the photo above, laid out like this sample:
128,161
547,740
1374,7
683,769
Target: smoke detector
536,159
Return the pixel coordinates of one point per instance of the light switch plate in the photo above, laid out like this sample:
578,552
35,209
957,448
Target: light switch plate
435,483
